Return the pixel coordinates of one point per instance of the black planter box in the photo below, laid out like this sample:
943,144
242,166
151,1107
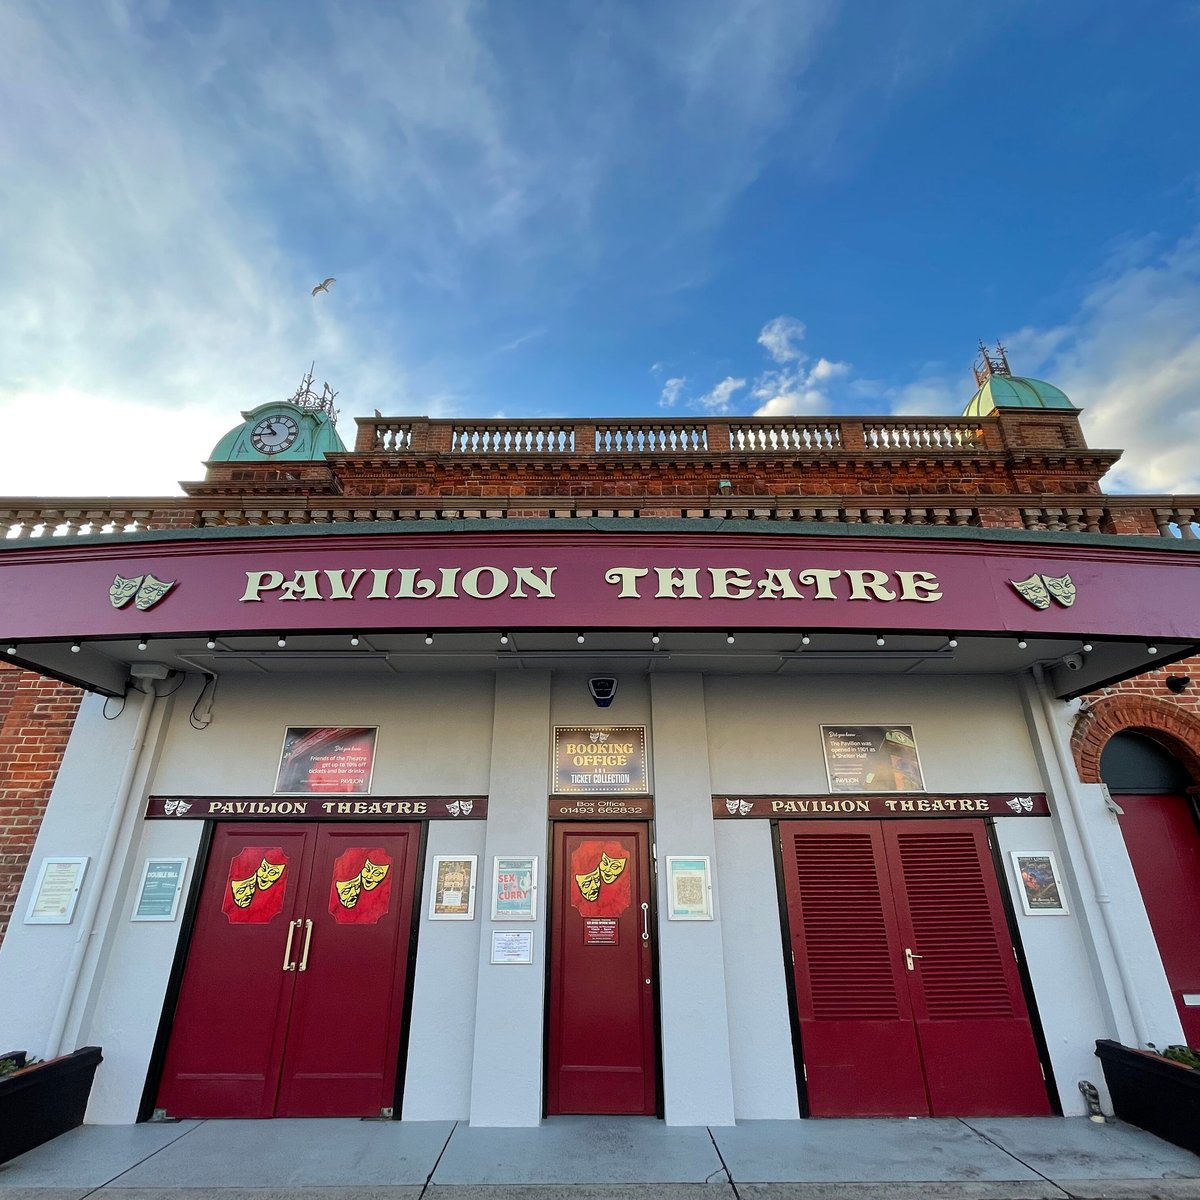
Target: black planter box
1153,1093
42,1101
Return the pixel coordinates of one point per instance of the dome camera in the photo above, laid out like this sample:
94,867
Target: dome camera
603,689
1073,662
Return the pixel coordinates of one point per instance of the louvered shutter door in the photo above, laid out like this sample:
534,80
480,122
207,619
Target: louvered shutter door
972,1021
856,1029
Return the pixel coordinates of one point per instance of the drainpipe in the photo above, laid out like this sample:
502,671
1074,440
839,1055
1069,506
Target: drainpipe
87,923
1066,768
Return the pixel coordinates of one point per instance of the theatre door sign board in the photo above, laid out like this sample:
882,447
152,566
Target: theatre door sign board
602,1053
908,998
293,992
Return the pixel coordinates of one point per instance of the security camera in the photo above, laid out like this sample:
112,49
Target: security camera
603,689
1073,662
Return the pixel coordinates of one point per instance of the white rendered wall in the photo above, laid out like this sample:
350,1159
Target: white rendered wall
697,1069
760,1028
441,1039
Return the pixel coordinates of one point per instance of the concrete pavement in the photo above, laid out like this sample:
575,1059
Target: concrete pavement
607,1158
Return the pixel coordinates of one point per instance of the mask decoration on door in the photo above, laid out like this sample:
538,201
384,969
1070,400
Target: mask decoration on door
602,885
256,885
361,889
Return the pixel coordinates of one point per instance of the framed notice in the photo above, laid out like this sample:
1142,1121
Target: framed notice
514,889
56,892
326,760
158,893
1038,882
453,896
871,758
599,759
511,946
689,889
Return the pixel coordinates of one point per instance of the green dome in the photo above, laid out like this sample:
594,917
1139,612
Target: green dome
302,435
1012,391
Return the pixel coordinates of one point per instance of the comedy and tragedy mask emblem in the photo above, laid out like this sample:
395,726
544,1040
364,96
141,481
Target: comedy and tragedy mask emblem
1021,804
457,807
144,590
1039,590
367,880
607,871
244,890
175,807
738,808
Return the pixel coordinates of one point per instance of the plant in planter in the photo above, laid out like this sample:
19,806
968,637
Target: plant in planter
1158,1091
40,1100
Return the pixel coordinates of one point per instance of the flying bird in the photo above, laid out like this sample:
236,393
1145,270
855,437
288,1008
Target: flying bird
324,287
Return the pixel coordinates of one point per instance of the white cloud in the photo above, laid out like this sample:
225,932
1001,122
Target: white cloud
671,392
1130,358
782,338
718,400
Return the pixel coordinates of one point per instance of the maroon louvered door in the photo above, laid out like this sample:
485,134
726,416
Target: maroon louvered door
907,992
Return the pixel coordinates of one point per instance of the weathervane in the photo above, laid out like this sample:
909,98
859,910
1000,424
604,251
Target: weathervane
990,363
308,400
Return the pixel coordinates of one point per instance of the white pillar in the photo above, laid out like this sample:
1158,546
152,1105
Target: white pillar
507,1070
697,1070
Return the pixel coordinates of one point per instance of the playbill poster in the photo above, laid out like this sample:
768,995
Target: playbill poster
453,888
871,758
326,760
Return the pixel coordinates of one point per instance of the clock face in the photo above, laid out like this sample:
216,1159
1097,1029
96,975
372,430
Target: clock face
274,433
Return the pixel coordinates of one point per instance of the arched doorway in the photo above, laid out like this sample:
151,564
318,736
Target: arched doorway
1161,827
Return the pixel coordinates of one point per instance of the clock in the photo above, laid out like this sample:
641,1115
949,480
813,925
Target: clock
274,434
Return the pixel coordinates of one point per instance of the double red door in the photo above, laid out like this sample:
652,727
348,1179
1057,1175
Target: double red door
1161,835
602,1053
907,991
292,997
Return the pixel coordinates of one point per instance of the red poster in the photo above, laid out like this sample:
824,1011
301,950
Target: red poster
600,884
256,886
361,890
326,760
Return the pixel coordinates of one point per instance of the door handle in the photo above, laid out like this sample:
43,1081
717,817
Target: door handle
645,921
307,943
288,965
908,959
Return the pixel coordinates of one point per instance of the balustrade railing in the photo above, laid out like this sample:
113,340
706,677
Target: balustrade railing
784,437
642,437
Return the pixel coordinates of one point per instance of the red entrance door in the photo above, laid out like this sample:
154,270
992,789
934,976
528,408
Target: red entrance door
1164,847
907,991
602,1052
292,996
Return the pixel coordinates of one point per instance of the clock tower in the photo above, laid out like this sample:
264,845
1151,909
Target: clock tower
301,428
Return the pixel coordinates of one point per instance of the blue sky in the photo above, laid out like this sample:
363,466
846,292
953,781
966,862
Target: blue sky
559,208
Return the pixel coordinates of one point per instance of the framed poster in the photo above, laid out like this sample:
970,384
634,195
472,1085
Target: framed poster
1038,882
514,889
689,889
871,758
512,946
158,893
56,892
453,897
326,759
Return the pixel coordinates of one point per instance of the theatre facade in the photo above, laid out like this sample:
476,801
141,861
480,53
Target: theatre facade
710,770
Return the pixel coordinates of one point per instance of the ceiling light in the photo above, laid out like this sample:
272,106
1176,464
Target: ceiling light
282,641
953,643
429,639
211,643
12,649
653,638
1022,643
354,639
144,644
1151,649
580,638
1087,647
881,640
805,639
730,638
504,639
74,647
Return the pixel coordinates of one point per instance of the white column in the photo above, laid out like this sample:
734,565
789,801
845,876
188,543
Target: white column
697,1071
507,1071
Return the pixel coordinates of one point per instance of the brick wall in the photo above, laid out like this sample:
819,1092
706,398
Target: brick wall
36,716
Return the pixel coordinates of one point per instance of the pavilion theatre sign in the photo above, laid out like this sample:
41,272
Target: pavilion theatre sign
626,582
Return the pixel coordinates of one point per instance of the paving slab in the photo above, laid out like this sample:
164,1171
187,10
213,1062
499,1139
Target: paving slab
620,1191
283,1154
597,1151
1074,1148
1036,1189
863,1151
90,1156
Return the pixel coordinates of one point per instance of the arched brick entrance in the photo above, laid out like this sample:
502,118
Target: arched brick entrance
1175,730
